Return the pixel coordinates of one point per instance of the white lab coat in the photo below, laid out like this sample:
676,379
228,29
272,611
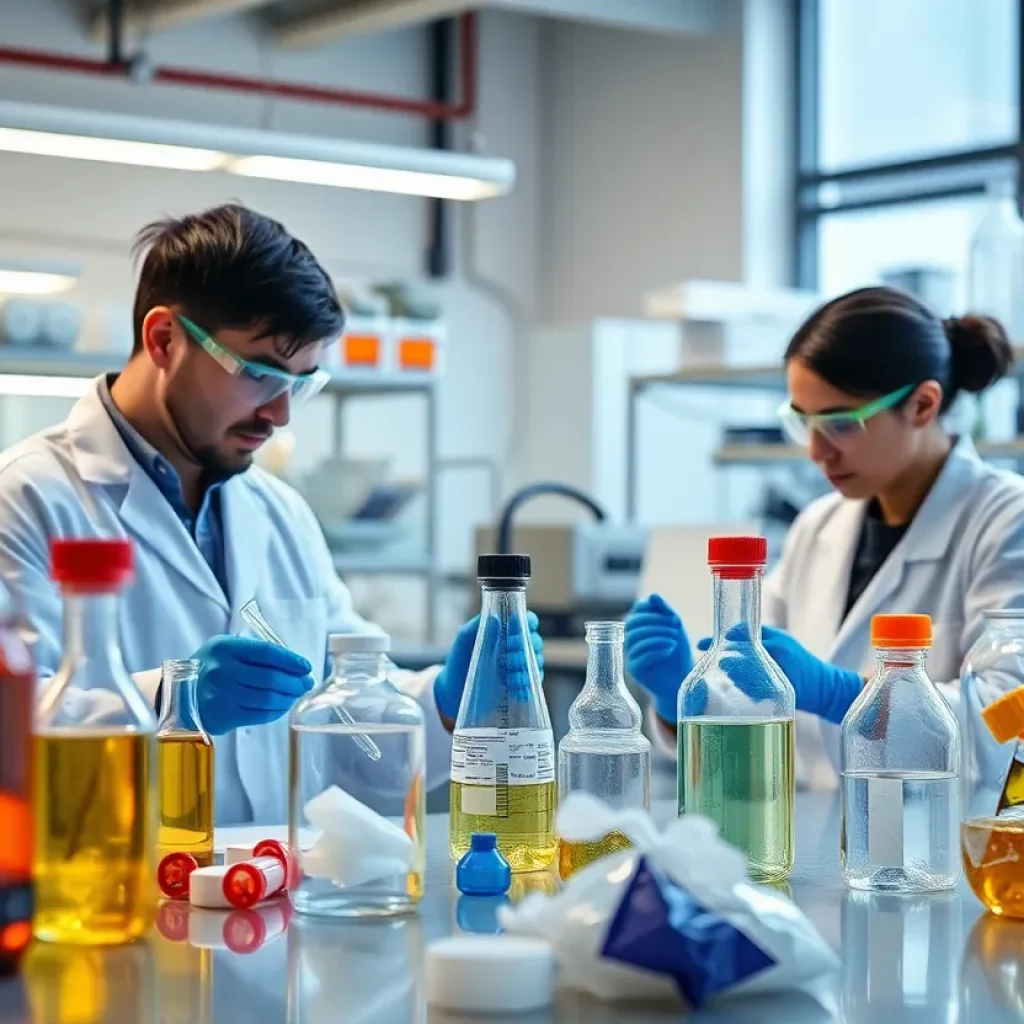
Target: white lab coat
962,554
79,480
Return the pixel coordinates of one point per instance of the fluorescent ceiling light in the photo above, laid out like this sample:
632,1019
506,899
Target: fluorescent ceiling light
177,145
36,278
36,386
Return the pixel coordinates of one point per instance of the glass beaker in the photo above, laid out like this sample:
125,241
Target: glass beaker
992,832
370,810
17,698
900,762
604,753
503,749
736,757
185,762
94,758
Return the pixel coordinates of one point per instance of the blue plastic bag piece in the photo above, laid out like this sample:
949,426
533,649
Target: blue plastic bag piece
660,927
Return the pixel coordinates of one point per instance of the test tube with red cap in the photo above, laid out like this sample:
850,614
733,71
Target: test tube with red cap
271,870
173,873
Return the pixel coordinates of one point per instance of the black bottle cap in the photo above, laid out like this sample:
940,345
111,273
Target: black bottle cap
503,567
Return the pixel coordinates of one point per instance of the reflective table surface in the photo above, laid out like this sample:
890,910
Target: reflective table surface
904,959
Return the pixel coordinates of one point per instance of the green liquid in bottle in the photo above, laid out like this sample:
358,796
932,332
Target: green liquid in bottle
740,774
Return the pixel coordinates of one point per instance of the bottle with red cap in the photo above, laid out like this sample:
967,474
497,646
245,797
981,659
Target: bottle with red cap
736,714
94,757
900,767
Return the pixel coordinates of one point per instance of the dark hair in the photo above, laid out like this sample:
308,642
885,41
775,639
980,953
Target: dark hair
876,340
230,267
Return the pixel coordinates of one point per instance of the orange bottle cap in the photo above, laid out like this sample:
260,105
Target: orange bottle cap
901,631
1005,717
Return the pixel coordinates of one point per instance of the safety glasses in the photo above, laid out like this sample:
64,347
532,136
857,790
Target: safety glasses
836,427
265,383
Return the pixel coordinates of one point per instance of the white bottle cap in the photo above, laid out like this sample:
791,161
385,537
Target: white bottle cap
236,854
359,643
206,887
490,973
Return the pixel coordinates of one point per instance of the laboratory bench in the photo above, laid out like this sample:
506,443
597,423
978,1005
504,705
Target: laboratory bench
907,959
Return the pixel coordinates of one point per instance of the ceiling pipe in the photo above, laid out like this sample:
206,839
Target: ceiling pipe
439,244
463,109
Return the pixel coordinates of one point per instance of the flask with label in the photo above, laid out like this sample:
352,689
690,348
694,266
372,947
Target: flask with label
503,766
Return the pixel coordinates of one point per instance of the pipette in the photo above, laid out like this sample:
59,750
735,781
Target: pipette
253,618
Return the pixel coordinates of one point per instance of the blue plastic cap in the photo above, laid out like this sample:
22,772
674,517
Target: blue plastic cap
483,871
482,842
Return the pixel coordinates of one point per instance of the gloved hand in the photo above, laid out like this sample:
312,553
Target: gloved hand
821,689
244,681
658,653
451,680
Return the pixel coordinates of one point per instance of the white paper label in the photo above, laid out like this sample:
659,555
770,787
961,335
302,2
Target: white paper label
493,757
885,822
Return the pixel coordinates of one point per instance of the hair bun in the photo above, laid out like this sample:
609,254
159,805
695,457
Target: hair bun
981,351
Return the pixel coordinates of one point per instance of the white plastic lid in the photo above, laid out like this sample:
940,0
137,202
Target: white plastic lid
206,887
490,973
359,643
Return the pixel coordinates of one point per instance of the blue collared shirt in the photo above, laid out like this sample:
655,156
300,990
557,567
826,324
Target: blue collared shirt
207,528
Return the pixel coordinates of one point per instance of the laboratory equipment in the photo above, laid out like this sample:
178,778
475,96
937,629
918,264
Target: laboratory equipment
604,754
252,616
997,260
271,871
503,765
483,871
900,762
363,863
184,767
492,974
736,712
17,695
94,755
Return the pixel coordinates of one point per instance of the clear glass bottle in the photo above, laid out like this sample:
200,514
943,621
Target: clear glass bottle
604,753
736,715
357,771
94,759
997,260
503,749
992,790
185,763
900,762
17,698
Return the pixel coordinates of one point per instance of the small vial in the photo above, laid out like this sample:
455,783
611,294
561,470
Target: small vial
604,753
268,873
483,871
185,765
900,758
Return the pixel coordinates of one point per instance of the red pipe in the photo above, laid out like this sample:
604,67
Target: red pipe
42,60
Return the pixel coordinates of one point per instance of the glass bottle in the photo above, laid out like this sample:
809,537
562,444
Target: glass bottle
503,749
900,761
604,753
992,791
17,696
736,715
357,770
997,260
185,762
94,755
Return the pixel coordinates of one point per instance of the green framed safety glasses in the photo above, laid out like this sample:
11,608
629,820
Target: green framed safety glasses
836,427
265,383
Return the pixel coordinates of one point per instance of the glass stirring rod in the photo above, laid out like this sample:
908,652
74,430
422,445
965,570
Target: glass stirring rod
253,618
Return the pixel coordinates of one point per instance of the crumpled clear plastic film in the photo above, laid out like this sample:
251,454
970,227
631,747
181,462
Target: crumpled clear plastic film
674,918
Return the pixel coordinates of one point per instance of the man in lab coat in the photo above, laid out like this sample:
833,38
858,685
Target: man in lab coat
231,318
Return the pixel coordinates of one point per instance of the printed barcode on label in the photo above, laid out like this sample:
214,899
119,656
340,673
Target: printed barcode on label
501,790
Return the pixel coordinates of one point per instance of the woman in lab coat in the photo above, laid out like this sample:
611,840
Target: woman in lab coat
917,523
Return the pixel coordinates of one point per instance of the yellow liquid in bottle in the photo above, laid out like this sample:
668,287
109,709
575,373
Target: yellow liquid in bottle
185,785
525,829
573,856
93,867
993,856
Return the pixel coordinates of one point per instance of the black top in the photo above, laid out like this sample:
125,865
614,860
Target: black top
503,567
876,542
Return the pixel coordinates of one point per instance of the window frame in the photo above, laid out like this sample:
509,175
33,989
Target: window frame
895,183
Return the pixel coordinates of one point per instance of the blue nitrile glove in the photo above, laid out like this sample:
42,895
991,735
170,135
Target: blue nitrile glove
821,689
244,681
451,680
658,653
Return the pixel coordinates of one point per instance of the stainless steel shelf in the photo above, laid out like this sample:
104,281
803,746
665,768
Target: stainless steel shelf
750,377
413,565
783,454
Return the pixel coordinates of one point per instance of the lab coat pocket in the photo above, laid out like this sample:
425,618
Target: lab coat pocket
945,657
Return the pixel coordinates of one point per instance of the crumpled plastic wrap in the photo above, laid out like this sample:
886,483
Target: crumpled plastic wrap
673,919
